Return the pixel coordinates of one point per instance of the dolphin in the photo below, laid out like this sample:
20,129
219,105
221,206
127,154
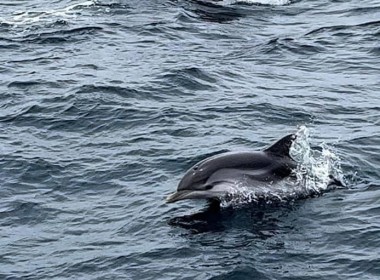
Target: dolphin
215,177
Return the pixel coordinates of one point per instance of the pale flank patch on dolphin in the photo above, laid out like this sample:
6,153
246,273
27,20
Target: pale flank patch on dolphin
219,175
218,190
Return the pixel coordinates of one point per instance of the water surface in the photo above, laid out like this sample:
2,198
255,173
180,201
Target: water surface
105,104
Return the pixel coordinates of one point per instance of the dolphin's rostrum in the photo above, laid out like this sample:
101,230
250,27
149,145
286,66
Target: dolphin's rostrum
216,176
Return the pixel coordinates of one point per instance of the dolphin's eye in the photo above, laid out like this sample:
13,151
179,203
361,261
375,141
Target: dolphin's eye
208,187
195,168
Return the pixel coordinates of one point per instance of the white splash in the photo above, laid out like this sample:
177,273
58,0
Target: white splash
33,16
262,2
315,166
312,176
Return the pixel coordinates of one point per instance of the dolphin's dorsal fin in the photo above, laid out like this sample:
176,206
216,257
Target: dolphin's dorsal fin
282,146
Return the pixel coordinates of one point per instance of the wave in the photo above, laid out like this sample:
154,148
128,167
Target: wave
292,45
30,17
190,78
222,11
55,37
253,2
338,28
261,2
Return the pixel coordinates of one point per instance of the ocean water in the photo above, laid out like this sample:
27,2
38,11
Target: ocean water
104,105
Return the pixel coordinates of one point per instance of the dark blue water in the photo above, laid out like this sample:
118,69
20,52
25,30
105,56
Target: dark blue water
105,104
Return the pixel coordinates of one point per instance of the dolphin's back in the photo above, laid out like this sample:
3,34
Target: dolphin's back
232,166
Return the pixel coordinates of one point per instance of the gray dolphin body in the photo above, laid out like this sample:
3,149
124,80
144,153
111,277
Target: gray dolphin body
216,176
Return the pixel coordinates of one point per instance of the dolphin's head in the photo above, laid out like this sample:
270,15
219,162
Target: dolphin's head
194,185
195,192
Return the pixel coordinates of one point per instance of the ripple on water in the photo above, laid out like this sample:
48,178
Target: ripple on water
105,105
25,213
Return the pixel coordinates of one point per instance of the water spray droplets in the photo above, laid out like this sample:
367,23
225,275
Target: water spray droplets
315,167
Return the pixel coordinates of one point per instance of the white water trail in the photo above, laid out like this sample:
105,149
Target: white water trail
33,16
262,2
